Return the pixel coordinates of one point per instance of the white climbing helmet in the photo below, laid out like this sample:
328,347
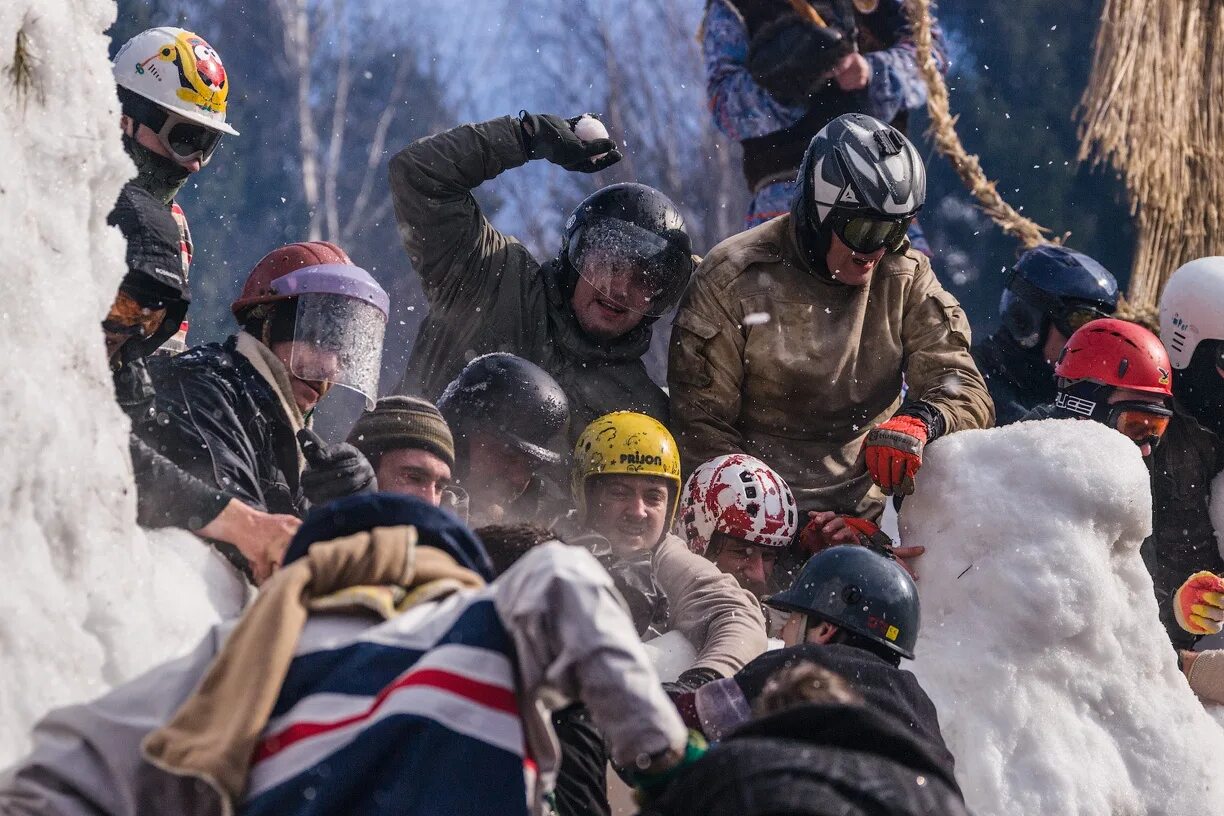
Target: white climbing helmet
1192,308
742,497
179,71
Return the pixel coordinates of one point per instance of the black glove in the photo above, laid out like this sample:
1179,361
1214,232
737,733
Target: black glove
552,138
691,680
792,58
333,471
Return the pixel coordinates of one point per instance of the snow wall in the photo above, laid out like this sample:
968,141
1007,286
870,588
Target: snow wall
1057,689
86,599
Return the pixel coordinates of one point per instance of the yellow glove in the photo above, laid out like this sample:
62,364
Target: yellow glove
1198,604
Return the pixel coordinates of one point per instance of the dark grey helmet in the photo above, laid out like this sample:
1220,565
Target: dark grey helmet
511,397
860,165
858,589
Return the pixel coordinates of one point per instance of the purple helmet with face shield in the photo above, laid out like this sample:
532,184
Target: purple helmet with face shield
338,330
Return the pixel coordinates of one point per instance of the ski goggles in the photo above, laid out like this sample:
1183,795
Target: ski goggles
1066,317
129,316
187,141
183,139
1141,422
866,234
1070,319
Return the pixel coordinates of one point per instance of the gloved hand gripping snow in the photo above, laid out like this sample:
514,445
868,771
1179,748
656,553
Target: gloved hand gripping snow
894,453
553,138
333,471
1198,604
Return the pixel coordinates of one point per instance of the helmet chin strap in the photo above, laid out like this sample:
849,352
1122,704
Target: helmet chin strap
162,177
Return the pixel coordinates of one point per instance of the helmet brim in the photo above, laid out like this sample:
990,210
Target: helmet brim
189,115
538,452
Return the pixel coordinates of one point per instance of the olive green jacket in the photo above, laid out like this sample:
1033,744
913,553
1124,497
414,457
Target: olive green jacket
773,360
487,293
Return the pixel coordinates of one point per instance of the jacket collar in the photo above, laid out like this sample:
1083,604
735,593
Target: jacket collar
274,372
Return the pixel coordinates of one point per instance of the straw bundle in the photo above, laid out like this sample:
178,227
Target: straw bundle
1153,111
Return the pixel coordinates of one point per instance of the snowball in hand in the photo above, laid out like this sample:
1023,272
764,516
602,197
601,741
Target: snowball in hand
588,129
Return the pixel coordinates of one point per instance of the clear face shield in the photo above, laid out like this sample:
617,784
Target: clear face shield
631,267
338,339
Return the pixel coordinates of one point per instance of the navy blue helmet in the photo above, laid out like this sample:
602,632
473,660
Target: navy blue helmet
1054,286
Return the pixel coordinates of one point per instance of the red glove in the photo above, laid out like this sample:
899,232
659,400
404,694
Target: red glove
1198,604
851,530
893,452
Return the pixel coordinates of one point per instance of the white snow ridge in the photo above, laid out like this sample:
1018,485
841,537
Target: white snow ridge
86,600
1057,689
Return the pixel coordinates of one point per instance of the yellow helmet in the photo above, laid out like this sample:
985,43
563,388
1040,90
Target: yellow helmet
179,71
625,442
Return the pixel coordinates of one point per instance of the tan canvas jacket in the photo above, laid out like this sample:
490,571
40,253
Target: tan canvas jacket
772,359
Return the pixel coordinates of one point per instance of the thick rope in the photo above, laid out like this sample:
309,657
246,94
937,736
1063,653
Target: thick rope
943,131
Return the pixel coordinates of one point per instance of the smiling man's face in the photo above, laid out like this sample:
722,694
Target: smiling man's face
602,311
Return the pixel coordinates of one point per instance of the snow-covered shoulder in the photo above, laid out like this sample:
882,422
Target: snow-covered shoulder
1056,685
86,600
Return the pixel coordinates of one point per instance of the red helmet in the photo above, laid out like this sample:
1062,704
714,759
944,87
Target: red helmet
280,262
1118,354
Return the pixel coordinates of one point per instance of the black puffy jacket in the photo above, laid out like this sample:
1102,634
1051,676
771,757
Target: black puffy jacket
815,760
884,687
219,419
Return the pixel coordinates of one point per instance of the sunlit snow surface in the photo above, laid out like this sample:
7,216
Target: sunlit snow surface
86,599
1055,682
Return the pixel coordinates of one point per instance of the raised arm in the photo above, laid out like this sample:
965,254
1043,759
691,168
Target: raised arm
896,83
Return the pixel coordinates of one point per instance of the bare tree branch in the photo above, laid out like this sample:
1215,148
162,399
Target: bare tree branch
335,144
377,146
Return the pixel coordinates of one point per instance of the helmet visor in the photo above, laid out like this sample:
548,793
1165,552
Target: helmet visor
338,340
866,234
631,267
1073,317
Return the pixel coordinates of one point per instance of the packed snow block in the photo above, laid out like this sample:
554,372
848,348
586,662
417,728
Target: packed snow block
85,599
671,654
1057,689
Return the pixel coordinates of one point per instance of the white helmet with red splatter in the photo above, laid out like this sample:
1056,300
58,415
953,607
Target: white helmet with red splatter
739,496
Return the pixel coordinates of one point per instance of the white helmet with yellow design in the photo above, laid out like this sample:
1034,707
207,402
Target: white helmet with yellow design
183,77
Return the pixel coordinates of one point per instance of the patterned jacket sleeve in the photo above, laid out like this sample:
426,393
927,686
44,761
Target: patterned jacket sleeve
742,109
896,83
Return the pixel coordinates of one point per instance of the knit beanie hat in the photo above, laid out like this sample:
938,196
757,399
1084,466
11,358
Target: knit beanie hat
403,422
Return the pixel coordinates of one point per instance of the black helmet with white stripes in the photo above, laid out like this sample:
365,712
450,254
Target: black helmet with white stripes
862,180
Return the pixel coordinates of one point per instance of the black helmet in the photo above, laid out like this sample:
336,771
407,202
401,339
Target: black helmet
155,276
861,179
858,589
642,233
511,397
1051,284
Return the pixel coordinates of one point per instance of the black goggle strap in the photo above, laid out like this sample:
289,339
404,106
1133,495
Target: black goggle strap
1083,398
